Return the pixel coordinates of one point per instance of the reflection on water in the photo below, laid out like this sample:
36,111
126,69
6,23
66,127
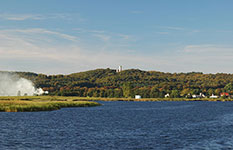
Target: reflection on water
122,125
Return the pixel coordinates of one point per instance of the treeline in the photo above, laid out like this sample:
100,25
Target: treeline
128,83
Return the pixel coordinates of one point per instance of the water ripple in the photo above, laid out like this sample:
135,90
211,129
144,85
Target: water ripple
122,125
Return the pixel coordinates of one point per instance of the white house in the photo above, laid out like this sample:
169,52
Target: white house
213,96
167,95
138,97
202,95
198,96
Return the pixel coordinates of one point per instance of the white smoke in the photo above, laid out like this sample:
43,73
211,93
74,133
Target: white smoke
13,85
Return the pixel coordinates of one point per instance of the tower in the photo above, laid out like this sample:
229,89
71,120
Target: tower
119,69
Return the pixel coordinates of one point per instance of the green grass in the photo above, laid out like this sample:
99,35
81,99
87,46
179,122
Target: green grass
77,99
30,106
47,103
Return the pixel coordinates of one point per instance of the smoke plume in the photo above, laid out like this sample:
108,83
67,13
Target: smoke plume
13,85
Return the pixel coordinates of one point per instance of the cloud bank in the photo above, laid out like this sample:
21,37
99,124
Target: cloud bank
54,52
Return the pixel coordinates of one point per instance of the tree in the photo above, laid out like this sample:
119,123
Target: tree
154,92
175,94
210,92
185,92
229,87
117,93
195,91
99,82
127,89
218,91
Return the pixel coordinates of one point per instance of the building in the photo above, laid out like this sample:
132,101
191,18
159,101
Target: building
119,69
167,95
225,94
138,97
198,96
202,95
213,96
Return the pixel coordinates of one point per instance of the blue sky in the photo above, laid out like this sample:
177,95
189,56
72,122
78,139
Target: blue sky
58,36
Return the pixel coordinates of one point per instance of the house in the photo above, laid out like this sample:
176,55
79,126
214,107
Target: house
189,95
202,95
213,96
138,97
198,96
225,94
167,95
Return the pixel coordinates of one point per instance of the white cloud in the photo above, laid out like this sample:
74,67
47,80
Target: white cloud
163,33
173,28
43,50
208,48
208,58
81,30
32,43
42,45
103,37
23,17
164,30
125,36
40,31
96,31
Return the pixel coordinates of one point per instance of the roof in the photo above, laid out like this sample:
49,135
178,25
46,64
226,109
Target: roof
224,93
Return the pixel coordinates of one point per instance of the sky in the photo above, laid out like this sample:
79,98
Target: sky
68,36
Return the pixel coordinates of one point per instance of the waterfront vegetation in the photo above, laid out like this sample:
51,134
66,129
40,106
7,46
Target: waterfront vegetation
42,103
107,83
49,103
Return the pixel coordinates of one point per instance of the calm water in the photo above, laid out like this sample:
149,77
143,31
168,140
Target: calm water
122,125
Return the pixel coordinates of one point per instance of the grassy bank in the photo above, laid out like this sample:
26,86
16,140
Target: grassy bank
48,103
30,106
156,99
77,99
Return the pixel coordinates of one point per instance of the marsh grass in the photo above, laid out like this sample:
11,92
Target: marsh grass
29,106
47,103
78,99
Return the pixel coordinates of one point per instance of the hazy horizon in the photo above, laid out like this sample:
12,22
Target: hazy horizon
112,69
63,37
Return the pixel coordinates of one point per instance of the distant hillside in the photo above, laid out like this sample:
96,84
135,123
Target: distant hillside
109,83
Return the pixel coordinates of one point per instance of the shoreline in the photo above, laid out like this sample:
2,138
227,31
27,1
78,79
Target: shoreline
50,103
156,99
35,104
74,99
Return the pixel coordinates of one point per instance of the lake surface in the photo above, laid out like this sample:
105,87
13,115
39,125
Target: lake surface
122,125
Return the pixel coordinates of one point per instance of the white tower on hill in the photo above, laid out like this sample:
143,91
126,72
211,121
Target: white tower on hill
119,69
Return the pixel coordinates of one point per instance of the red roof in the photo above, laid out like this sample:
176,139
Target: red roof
227,94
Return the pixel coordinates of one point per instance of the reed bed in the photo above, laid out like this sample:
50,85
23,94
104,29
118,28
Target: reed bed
69,99
48,103
30,106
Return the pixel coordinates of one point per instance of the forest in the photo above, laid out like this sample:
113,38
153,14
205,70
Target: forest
128,83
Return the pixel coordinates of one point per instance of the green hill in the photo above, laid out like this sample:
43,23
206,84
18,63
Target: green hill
109,83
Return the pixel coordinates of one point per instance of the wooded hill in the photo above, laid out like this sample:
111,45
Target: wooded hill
148,84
